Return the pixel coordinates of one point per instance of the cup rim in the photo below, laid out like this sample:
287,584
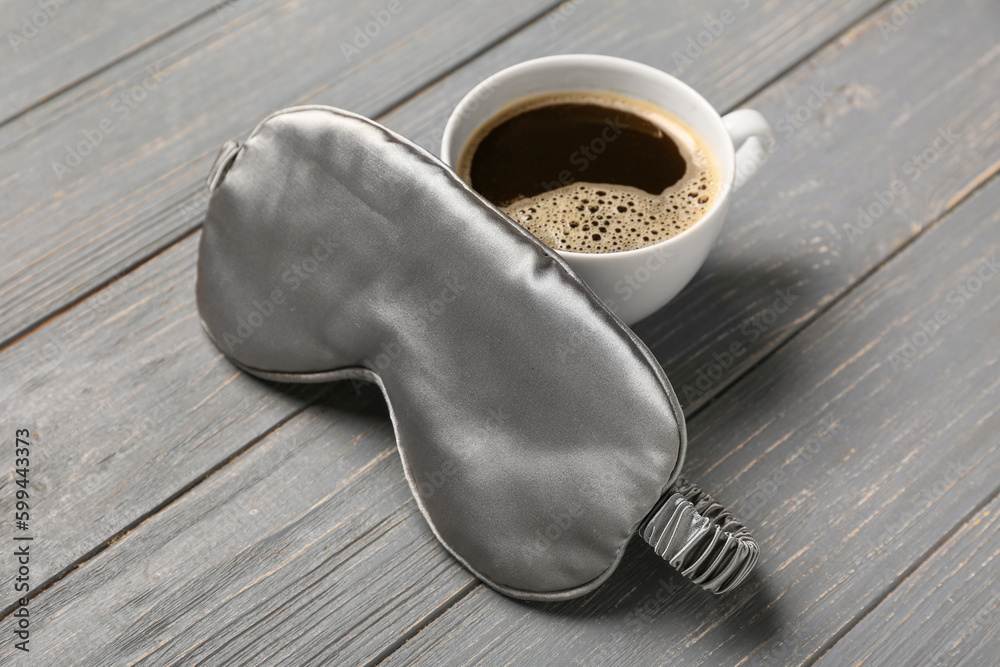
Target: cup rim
526,66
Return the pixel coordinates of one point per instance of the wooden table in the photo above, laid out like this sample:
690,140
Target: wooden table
186,513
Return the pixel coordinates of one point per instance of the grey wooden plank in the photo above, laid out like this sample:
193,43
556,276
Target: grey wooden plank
191,413
131,404
136,364
137,342
786,229
852,452
69,362
945,613
151,125
733,60
49,44
307,550
147,197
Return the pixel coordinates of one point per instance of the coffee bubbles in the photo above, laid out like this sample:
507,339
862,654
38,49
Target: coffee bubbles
592,172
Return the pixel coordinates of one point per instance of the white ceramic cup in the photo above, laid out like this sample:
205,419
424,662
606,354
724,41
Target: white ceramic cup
633,283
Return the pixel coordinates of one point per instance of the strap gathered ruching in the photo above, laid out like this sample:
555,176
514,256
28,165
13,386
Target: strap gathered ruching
701,538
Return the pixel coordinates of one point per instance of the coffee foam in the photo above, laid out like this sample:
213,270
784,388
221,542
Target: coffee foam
603,218
585,217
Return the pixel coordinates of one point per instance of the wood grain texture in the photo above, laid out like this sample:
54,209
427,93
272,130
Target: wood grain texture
945,613
90,464
184,442
882,97
142,188
132,404
308,550
849,455
192,413
760,41
102,177
50,44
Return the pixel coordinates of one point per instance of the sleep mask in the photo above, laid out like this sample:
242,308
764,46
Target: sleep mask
536,431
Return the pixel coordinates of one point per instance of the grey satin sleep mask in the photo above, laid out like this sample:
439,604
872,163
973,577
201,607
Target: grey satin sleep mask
536,431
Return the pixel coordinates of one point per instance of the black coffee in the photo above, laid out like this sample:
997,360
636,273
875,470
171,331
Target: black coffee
591,172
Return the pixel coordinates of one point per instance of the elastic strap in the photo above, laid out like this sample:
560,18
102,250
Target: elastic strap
700,538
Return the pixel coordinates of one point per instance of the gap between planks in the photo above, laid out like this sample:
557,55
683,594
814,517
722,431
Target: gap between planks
904,577
866,276
27,330
122,57
869,15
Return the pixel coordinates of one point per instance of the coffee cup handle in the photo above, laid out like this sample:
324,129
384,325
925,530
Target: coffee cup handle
753,139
